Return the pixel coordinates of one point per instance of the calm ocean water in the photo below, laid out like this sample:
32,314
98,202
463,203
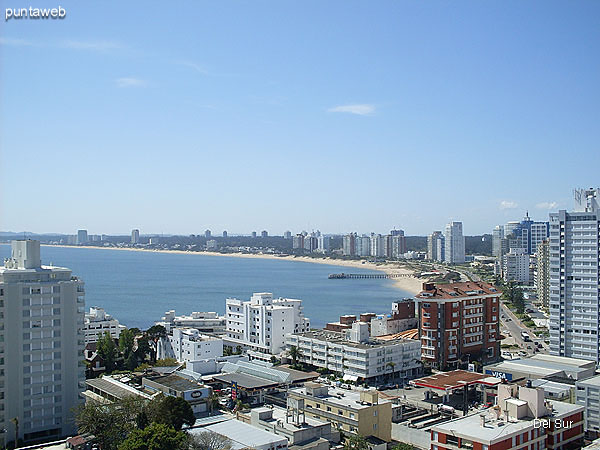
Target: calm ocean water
138,287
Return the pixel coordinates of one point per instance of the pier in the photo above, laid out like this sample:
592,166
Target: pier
343,276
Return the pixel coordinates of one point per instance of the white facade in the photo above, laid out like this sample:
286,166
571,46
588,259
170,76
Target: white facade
262,323
377,245
515,266
497,236
207,322
575,279
97,322
42,373
135,236
188,344
454,252
358,360
324,243
435,246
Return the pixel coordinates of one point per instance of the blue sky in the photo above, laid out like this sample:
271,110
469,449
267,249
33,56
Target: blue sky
175,117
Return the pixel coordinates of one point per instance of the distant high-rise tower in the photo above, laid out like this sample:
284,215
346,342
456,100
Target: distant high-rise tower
435,246
349,244
135,236
298,242
224,234
264,233
542,273
254,234
575,278
454,252
287,235
207,234
41,346
82,237
497,236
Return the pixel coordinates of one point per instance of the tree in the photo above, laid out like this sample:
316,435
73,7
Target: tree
126,342
356,442
213,402
143,348
294,354
208,440
403,446
107,351
110,423
156,332
156,436
392,366
172,411
166,362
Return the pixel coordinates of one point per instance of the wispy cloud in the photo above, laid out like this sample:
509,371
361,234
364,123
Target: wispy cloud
547,205
96,46
507,204
360,109
129,82
12,42
197,67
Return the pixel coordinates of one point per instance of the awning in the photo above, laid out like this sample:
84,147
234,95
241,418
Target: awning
349,377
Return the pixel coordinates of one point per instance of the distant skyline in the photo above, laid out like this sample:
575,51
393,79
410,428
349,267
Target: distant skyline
340,116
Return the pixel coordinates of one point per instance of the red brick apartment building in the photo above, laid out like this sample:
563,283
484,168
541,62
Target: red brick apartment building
523,421
459,322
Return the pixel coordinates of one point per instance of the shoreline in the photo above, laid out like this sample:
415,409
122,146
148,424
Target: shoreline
409,284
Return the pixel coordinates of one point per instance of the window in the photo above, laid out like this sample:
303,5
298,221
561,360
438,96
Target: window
374,426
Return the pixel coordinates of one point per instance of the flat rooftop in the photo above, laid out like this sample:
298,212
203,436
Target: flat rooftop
497,429
339,338
455,380
545,365
175,382
245,381
457,290
242,434
280,417
342,397
594,381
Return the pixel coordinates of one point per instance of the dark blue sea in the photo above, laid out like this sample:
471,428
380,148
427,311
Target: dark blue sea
138,287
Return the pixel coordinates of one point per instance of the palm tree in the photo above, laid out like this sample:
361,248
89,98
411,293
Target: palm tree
391,365
15,421
213,402
294,354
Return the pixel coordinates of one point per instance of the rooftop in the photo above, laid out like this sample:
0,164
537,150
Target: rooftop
546,365
455,380
342,397
115,387
594,381
245,381
339,338
243,435
457,290
279,416
496,429
175,382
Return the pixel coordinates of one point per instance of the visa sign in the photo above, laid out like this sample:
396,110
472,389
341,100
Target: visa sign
498,374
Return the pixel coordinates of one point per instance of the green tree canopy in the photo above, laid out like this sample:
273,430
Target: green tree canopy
107,350
356,442
403,446
110,423
156,436
126,342
172,411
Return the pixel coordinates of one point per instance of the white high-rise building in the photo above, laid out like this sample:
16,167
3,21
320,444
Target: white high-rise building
96,322
497,236
510,227
515,266
377,245
135,236
262,323
323,243
575,278
454,252
42,373
435,246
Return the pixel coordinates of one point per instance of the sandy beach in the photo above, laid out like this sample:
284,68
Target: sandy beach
408,284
